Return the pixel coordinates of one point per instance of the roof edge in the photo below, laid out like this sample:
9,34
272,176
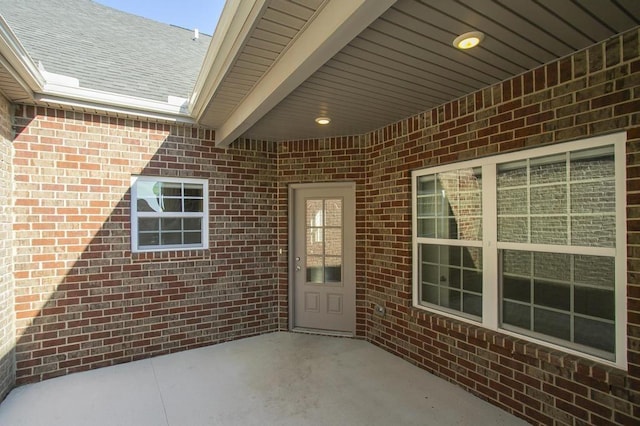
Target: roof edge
237,21
17,61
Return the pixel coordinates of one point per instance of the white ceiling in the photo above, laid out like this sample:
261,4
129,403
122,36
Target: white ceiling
403,62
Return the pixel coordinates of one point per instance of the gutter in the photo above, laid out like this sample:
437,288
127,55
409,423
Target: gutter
43,87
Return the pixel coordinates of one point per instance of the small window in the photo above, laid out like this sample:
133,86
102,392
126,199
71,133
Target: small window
530,243
168,214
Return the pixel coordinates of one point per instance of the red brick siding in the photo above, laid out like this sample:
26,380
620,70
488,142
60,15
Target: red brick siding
594,92
7,314
83,300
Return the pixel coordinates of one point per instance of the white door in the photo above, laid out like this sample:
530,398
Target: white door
322,268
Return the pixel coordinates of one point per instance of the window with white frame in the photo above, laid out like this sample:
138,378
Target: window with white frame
168,213
530,243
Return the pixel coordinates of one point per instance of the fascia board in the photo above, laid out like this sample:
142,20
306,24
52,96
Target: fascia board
113,103
237,21
17,61
334,27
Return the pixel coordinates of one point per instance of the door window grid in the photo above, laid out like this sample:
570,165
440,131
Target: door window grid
324,240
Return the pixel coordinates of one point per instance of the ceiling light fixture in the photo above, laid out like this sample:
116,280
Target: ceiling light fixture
468,40
323,120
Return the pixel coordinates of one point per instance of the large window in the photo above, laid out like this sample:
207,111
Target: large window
168,213
529,243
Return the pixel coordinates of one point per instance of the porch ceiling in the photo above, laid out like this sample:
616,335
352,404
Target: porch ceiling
382,60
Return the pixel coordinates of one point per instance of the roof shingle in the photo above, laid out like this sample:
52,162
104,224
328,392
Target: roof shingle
106,49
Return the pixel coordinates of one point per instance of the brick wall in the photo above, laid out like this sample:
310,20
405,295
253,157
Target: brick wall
7,314
593,92
83,300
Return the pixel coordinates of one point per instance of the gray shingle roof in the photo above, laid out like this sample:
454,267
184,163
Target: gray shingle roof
107,49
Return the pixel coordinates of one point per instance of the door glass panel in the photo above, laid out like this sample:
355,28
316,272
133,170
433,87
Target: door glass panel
324,240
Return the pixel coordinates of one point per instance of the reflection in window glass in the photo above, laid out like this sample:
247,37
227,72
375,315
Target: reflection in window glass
323,240
168,213
451,278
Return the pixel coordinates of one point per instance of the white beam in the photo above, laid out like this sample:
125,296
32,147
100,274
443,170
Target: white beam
237,21
337,23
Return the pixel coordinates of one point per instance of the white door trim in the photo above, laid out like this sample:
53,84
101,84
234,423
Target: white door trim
291,238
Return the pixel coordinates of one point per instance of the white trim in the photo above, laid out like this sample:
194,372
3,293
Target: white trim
17,61
237,20
491,296
178,247
336,24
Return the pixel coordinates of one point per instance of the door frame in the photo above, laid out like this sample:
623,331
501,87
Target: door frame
348,221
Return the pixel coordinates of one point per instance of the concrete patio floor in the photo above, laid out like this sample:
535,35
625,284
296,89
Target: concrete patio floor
274,379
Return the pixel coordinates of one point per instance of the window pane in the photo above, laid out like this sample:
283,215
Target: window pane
315,237
333,242
427,185
551,323
333,269
556,266
596,334
148,205
193,190
192,237
171,204
516,288
170,238
170,189
472,281
549,230
595,302
552,295
516,314
430,274
148,239
597,164
450,255
513,229
593,197
315,269
449,205
193,205
549,199
430,253
192,224
333,213
450,298
549,169
512,174
595,270
472,304
148,224
472,257
594,231
512,201
430,294
516,262
447,279
171,224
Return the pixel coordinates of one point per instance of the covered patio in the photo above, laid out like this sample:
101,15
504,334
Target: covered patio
274,379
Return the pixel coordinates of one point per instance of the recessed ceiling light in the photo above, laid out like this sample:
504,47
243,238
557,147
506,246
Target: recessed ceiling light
468,40
323,120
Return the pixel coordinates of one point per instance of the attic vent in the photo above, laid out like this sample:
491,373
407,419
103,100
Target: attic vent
196,34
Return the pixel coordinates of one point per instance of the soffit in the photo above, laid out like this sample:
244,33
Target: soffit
280,23
404,63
